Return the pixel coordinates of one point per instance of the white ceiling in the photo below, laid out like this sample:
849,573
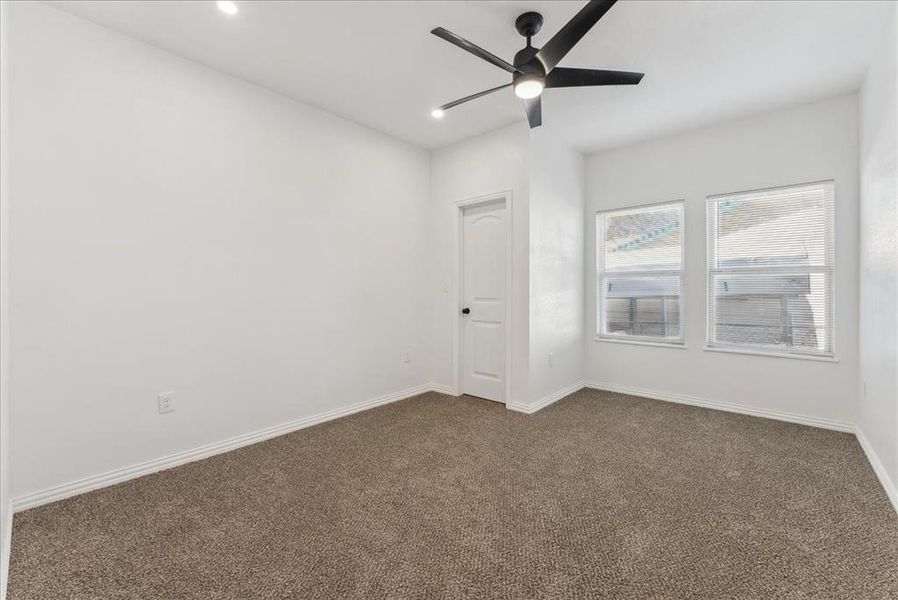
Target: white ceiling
377,64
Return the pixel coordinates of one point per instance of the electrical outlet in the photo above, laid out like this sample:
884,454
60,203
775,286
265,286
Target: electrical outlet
406,356
551,359
166,402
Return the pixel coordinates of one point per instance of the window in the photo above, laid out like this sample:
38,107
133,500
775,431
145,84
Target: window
770,270
639,259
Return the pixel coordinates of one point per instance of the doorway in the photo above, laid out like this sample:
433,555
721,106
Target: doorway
484,283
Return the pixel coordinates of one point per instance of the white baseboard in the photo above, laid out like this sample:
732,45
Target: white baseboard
545,400
173,460
5,547
124,474
887,484
443,389
741,409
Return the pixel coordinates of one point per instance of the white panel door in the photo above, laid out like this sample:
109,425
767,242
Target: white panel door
483,302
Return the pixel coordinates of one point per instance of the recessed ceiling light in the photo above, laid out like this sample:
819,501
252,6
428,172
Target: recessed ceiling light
227,7
437,113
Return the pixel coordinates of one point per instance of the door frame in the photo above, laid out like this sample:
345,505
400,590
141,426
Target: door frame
504,198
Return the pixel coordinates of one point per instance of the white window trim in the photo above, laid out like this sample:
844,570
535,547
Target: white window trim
600,273
639,341
759,350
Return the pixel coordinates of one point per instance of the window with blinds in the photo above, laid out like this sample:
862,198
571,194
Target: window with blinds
639,258
770,270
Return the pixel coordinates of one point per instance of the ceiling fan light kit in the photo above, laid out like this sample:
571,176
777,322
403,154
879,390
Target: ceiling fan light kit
529,86
535,69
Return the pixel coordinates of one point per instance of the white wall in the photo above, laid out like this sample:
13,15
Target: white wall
878,415
178,229
5,512
496,162
556,264
806,143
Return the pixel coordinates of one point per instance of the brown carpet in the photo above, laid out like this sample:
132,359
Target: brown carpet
598,496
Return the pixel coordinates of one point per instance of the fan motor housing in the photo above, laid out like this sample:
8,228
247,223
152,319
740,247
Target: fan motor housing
526,63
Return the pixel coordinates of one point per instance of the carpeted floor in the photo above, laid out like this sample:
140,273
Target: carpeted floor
598,496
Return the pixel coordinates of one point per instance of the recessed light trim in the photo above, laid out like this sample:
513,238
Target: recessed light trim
228,7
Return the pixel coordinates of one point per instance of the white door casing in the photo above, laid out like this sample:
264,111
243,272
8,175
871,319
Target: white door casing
483,293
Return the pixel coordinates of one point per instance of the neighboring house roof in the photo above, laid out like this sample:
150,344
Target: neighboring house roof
775,242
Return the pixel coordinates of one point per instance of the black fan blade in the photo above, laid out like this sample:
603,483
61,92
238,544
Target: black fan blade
562,42
472,97
473,49
563,77
534,108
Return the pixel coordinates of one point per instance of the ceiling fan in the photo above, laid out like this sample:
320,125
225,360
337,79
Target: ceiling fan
535,69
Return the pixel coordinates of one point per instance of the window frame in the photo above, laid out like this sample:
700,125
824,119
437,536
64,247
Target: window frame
601,275
829,272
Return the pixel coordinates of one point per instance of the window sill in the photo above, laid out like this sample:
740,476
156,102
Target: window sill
811,357
677,345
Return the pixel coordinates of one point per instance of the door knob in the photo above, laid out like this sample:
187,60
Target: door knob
465,311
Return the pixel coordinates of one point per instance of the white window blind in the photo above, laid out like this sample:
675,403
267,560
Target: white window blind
639,257
770,270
